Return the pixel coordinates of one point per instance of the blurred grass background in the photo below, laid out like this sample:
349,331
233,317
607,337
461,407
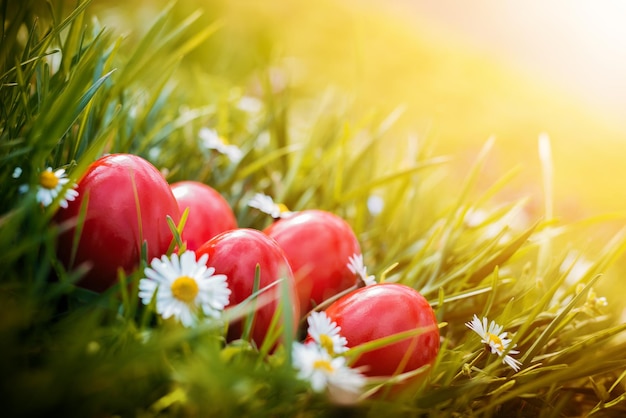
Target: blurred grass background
449,93
445,91
454,94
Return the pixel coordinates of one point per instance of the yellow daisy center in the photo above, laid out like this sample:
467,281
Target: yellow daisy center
496,340
324,365
327,343
282,207
185,289
48,180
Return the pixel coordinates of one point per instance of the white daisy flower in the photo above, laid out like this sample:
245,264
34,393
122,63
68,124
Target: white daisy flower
51,183
493,336
356,266
266,204
325,372
184,287
212,140
326,333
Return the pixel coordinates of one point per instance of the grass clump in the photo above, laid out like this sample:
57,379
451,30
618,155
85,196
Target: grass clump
72,90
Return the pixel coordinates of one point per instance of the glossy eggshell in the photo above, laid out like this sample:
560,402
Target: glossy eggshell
209,212
127,201
381,310
318,245
236,254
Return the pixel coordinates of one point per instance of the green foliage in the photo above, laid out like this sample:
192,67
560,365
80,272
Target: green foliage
72,90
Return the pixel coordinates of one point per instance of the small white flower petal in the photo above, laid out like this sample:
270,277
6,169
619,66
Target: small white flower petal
511,362
166,270
167,309
357,267
71,194
159,272
355,263
175,264
347,379
265,204
214,295
375,204
188,263
44,196
233,153
146,290
210,138
186,317
203,259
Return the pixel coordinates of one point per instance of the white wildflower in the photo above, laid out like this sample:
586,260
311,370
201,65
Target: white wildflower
493,336
211,140
266,204
184,287
51,184
356,266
